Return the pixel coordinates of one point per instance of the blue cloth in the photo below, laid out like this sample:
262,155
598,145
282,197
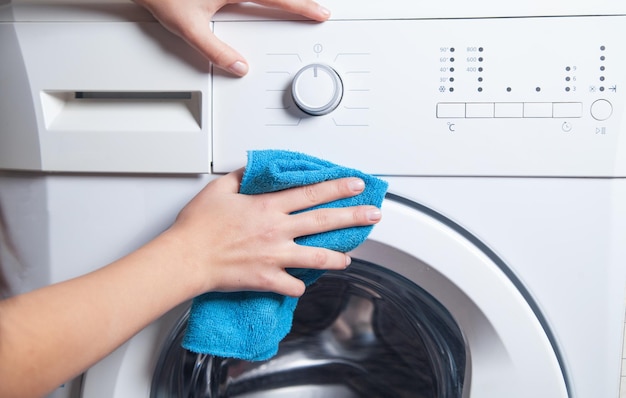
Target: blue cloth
250,325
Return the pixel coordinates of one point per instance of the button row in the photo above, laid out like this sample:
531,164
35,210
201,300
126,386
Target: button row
509,109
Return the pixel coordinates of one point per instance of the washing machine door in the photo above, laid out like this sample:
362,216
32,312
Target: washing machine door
510,350
425,310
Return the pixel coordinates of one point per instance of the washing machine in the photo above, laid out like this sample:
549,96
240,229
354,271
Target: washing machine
499,267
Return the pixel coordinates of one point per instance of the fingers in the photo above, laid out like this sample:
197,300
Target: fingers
248,240
225,57
318,258
330,219
191,21
304,197
324,219
307,258
221,54
306,8
287,285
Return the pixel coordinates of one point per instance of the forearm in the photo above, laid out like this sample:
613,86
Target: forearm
104,308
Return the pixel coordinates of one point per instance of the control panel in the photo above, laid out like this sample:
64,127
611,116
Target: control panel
537,96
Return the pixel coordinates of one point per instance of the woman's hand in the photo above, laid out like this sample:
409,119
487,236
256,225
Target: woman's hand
190,19
245,242
221,241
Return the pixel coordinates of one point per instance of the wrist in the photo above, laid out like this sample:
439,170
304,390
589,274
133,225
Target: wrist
177,256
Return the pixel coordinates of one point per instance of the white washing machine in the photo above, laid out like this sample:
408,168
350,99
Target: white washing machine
499,266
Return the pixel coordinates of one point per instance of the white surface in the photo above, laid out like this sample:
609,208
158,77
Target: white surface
50,129
481,300
392,70
561,237
503,355
622,390
399,108
121,10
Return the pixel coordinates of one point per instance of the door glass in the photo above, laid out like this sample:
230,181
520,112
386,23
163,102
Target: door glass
363,332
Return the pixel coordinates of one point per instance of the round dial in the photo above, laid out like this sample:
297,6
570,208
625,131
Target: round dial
317,89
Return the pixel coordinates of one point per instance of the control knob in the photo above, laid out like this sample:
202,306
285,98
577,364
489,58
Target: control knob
317,89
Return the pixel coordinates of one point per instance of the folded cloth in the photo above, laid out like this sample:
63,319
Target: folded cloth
250,325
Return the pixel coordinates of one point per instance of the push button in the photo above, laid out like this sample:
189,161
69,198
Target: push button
567,109
509,109
479,110
537,109
451,110
601,110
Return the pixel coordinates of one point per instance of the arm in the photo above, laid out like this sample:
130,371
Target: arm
190,19
221,241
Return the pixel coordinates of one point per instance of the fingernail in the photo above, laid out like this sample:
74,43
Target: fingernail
356,184
374,215
348,260
238,68
325,12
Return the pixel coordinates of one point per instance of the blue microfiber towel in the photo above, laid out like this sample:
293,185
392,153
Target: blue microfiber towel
250,325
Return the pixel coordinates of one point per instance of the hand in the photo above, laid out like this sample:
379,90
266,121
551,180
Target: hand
221,241
245,242
190,19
